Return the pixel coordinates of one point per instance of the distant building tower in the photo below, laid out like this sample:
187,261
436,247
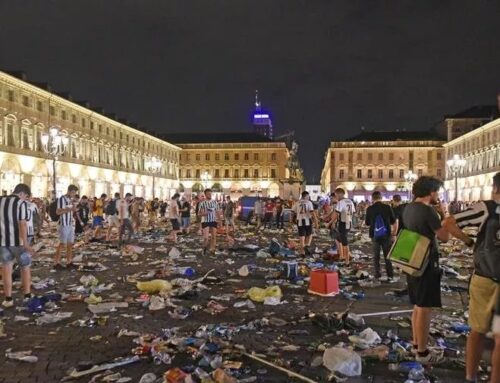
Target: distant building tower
262,123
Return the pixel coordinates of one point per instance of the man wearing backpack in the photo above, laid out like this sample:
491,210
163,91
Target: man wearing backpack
383,226
485,282
112,216
344,210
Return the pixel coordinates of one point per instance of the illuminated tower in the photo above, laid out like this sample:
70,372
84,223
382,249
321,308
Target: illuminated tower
262,123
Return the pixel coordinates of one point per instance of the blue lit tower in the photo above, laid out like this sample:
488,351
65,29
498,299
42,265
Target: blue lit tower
262,123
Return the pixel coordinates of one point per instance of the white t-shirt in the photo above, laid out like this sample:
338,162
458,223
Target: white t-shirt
345,207
303,210
122,204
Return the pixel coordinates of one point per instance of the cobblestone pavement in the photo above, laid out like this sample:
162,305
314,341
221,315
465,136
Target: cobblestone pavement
72,342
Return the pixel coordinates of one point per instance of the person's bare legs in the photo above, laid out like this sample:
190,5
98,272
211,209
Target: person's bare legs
57,257
213,238
7,279
347,256
25,279
422,325
302,245
495,361
473,353
308,240
414,321
69,253
206,234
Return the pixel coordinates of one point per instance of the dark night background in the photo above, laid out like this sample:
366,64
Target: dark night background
324,68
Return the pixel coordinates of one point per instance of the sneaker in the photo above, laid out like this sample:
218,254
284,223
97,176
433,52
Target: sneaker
8,304
58,266
430,358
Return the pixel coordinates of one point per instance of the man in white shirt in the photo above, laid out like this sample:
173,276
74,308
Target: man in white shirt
210,217
174,216
123,206
344,212
305,217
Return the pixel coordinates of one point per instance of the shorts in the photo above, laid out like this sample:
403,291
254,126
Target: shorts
342,234
10,253
113,220
425,291
483,293
186,221
305,231
175,224
66,234
97,221
209,224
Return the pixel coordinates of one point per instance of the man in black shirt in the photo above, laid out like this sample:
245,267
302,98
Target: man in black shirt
398,208
421,216
383,226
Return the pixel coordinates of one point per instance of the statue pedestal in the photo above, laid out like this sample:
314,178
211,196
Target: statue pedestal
292,188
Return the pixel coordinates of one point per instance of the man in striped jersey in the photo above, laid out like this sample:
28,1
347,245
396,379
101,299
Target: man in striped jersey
65,210
305,217
210,216
14,243
484,287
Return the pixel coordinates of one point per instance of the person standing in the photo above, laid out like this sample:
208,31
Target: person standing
82,215
136,213
344,211
257,211
210,215
279,214
398,208
174,216
185,214
163,209
14,244
98,216
268,213
112,216
484,286
382,227
304,215
66,231
424,292
229,210
123,206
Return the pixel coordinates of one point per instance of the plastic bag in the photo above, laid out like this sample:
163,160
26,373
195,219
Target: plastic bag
366,338
154,286
257,294
342,360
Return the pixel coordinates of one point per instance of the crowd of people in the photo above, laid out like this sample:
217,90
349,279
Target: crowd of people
97,219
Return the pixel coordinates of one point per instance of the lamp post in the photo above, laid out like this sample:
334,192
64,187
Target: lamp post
205,178
410,178
455,164
54,144
153,166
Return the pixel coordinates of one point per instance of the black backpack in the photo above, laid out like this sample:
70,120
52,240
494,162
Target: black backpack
487,248
53,211
111,207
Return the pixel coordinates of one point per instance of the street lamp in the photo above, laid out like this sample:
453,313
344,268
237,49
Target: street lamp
456,164
54,144
206,177
153,166
410,178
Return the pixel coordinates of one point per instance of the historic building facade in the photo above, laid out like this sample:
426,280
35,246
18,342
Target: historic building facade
233,164
481,150
379,161
102,154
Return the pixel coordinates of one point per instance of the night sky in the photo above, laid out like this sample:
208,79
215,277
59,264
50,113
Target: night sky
324,68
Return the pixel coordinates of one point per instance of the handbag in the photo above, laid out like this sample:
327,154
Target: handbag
410,252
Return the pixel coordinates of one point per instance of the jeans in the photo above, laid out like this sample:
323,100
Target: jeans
126,224
280,221
384,244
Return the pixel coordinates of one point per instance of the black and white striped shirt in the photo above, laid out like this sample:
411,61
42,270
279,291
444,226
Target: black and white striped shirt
12,211
31,209
65,219
209,206
476,215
